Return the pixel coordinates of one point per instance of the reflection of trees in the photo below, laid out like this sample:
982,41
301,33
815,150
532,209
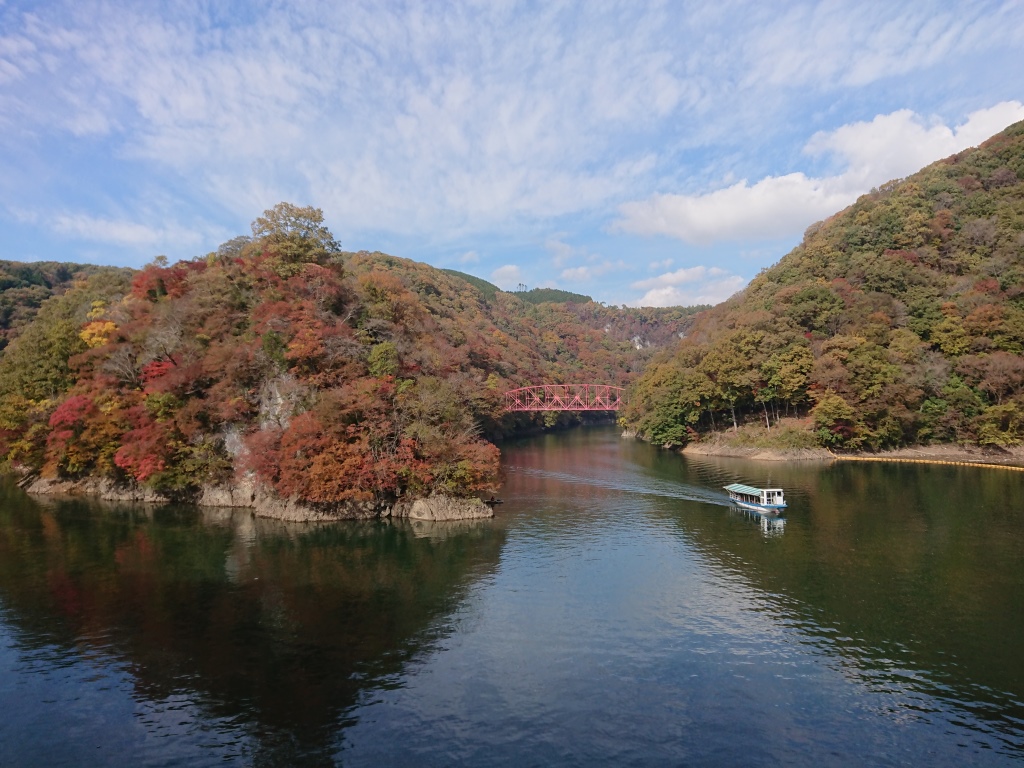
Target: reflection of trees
280,626
894,567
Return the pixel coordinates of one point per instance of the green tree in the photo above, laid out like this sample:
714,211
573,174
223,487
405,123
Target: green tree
295,235
732,365
383,360
36,366
833,420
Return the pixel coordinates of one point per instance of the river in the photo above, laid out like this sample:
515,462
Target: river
616,611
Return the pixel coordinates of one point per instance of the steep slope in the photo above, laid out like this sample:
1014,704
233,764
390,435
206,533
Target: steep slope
332,377
897,321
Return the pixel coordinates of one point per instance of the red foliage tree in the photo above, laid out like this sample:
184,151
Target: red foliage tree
146,448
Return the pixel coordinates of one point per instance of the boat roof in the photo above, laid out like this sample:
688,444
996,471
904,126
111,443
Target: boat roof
749,489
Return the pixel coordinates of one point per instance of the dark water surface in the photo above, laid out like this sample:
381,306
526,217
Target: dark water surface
616,612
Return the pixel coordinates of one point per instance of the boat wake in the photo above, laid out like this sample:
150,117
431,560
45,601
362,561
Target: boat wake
648,487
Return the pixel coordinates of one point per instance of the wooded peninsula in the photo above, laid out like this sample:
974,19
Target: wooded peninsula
354,381
344,382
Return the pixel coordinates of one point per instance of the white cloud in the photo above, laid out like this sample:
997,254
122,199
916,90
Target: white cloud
773,207
895,145
888,147
507,277
577,274
447,131
687,287
129,233
597,267
664,264
561,252
680,276
494,120
836,43
469,257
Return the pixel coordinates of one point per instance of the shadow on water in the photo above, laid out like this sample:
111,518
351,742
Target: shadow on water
274,630
908,578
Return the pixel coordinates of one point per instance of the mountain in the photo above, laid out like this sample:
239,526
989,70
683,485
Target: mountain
898,321
545,295
332,377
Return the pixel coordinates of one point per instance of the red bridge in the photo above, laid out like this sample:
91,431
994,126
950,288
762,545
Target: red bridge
564,397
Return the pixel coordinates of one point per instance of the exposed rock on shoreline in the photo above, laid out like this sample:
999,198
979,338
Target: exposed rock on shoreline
264,503
103,489
442,508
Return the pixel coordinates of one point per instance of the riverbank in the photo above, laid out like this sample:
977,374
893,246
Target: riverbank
989,456
264,503
723,448
720,445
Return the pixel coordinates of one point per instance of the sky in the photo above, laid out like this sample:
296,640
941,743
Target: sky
642,153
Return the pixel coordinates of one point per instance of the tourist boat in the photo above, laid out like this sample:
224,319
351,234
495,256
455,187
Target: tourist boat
770,500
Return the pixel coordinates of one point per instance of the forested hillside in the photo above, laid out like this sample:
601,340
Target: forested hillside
897,321
330,376
24,288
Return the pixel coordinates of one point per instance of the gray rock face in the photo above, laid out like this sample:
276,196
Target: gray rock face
268,504
105,489
265,503
442,508
246,493
241,494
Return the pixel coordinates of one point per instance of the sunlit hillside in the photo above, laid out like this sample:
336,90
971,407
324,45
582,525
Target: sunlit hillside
330,376
897,321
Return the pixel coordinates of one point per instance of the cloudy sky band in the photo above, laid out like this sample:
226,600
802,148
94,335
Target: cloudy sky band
573,144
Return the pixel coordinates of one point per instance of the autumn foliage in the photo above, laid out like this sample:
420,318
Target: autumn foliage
329,376
897,321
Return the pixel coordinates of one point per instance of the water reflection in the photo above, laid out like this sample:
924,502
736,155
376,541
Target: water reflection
909,577
905,578
770,525
616,611
273,630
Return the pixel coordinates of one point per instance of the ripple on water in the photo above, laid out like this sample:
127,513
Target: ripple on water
613,612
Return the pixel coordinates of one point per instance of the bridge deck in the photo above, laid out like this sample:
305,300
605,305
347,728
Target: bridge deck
564,397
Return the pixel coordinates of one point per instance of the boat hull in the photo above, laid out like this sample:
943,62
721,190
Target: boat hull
767,509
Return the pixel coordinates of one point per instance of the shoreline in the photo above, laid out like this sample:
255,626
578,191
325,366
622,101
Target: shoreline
263,503
978,456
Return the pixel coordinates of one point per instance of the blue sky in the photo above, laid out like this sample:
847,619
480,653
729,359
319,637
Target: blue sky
642,153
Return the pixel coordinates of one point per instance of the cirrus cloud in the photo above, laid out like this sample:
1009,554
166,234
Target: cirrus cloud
439,129
121,232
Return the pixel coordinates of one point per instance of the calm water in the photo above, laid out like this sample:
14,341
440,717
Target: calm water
615,612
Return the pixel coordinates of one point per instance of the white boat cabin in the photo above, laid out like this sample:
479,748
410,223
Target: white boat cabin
765,498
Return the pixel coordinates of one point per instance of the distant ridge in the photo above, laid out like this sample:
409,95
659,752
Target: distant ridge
532,296
552,295
25,286
489,290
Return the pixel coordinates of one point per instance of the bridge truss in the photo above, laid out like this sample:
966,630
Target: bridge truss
564,397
